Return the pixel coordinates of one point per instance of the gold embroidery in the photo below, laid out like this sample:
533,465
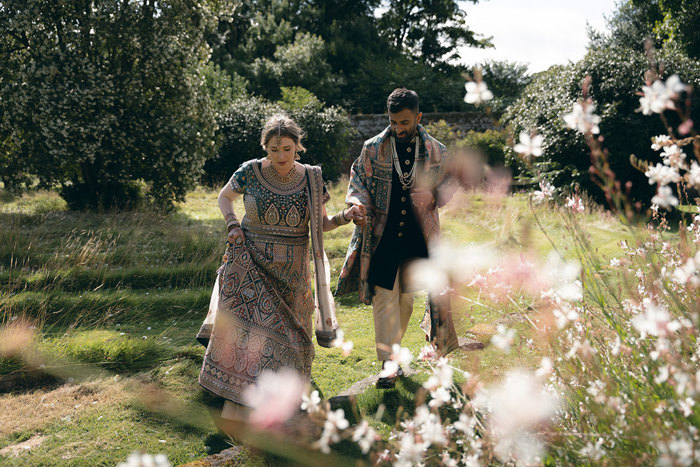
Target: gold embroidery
272,217
293,217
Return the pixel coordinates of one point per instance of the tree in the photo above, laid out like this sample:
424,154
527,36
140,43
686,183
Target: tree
675,22
106,98
507,80
431,30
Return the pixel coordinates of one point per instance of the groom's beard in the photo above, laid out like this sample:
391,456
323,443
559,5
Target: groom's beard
405,137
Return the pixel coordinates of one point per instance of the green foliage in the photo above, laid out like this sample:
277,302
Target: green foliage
327,133
506,80
490,143
431,31
675,22
443,132
342,52
617,74
97,99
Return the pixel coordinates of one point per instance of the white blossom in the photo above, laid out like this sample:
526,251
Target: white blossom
665,198
575,203
136,459
477,93
529,146
546,192
582,118
693,175
503,339
657,142
365,436
311,402
662,174
655,99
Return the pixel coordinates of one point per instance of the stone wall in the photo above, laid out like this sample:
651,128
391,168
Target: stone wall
370,125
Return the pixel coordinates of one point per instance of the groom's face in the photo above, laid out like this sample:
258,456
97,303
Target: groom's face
403,124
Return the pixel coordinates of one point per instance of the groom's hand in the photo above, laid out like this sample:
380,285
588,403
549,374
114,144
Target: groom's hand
358,214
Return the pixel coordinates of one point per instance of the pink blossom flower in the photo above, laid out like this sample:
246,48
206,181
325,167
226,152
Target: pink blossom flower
274,398
575,203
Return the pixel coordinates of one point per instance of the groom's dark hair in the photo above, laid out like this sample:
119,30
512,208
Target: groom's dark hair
402,98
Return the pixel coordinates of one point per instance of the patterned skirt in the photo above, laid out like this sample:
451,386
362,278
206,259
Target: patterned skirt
264,314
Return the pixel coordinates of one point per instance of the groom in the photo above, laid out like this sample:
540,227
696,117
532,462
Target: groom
396,179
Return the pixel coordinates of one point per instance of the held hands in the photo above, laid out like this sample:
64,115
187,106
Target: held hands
357,213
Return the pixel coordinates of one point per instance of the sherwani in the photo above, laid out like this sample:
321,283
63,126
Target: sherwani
371,185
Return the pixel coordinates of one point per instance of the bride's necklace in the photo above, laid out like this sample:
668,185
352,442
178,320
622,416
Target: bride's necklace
272,174
407,179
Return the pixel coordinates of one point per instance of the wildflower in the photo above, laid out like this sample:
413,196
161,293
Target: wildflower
593,451
503,339
545,368
136,459
274,398
657,142
410,451
546,192
563,314
664,198
575,203
465,424
674,157
686,406
365,436
516,405
614,262
428,352
529,146
311,402
655,99
563,275
693,175
582,118
654,321
335,422
689,272
477,93
340,341
441,377
399,356
674,86
662,377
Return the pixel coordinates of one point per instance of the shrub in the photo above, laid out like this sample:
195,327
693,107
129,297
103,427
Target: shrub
617,74
327,139
490,143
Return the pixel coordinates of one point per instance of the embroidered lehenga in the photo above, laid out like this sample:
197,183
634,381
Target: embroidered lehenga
262,306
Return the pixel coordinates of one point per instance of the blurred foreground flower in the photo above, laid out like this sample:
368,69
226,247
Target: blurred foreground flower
311,402
529,146
516,407
477,93
582,118
335,422
665,198
340,341
274,398
659,96
399,356
136,459
504,338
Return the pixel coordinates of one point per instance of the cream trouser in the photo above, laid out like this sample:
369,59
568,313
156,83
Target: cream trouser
392,310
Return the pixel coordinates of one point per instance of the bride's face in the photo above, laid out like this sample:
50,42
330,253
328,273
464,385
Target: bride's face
281,151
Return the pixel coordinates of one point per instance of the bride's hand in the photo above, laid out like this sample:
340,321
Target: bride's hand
357,213
234,234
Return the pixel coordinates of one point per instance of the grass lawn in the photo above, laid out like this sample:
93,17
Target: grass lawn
118,299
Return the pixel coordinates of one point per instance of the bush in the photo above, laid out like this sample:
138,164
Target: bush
490,143
617,74
327,140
